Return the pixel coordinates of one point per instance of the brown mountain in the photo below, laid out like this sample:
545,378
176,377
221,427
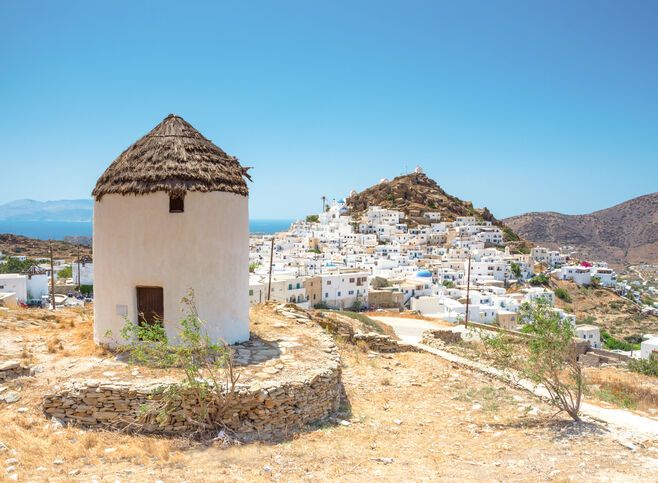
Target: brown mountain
12,245
623,234
415,194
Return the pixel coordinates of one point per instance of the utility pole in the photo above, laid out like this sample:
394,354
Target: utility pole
52,277
468,290
269,284
79,282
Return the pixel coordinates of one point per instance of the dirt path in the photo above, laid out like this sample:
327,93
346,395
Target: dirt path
407,329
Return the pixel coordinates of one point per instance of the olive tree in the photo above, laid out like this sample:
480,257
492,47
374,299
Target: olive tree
546,356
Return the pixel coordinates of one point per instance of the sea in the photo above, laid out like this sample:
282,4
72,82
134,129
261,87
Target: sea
57,230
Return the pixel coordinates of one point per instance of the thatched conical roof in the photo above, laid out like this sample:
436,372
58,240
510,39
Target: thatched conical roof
175,158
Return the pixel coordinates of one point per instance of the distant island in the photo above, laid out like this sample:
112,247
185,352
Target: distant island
64,219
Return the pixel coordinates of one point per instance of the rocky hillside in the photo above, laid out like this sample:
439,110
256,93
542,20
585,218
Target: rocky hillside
623,234
11,245
415,194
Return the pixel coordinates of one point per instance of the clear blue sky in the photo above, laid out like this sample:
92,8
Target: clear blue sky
516,105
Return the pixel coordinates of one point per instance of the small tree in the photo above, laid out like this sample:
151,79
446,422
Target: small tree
547,357
65,272
515,268
540,279
209,379
562,294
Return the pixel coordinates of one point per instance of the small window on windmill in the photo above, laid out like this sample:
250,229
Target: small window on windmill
176,204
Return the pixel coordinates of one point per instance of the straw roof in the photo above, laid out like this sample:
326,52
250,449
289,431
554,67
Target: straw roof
175,158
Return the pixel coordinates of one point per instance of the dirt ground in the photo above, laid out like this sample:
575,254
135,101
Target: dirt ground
406,417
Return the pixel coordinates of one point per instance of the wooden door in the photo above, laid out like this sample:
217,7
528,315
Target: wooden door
150,305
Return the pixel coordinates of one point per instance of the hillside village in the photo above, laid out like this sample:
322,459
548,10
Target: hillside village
382,258
357,256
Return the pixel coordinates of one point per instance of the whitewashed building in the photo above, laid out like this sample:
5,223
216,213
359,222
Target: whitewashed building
170,216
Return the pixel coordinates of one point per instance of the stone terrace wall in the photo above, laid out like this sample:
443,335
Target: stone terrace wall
13,369
439,338
273,410
383,343
284,402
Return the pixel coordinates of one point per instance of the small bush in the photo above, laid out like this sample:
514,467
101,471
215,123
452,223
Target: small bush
541,279
65,273
615,344
648,367
563,295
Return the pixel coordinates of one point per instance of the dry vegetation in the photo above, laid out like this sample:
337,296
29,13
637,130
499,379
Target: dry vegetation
622,388
619,316
406,417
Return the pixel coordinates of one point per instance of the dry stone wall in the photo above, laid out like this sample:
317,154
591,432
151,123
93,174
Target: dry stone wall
440,338
273,410
302,386
383,343
13,369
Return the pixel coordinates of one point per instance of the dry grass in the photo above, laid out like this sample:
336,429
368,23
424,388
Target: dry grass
36,444
55,345
435,421
625,388
619,316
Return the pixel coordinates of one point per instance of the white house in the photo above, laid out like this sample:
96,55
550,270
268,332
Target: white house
341,290
287,288
647,347
15,283
580,275
257,290
85,267
591,334
170,215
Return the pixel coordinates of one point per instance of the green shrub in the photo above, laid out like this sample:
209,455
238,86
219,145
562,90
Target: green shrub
541,279
14,265
313,218
86,289
546,357
633,339
648,367
563,295
609,342
509,235
208,383
65,273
